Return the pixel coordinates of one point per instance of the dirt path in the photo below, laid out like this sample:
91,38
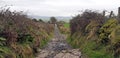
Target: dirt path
58,48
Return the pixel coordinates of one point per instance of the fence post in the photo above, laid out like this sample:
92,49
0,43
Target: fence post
111,14
119,14
104,13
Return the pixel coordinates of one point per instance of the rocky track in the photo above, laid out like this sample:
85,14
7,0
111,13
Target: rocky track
58,48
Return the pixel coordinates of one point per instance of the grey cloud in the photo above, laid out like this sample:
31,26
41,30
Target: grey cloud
60,7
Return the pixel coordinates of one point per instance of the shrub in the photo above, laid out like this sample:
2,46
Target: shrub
107,29
25,38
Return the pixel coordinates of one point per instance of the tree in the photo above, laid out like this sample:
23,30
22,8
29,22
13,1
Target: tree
53,20
35,20
40,20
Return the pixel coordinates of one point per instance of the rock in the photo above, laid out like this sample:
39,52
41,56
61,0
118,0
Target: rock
60,55
52,52
39,50
43,54
76,52
68,55
64,51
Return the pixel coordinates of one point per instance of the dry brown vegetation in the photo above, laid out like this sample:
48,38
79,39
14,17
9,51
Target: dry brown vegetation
21,35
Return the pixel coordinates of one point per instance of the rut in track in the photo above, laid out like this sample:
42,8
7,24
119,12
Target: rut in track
58,48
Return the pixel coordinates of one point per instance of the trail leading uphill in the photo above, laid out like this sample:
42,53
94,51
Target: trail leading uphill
58,48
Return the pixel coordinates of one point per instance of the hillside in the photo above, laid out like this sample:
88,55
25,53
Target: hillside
47,18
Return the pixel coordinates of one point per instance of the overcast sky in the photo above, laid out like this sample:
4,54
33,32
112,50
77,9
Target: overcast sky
60,7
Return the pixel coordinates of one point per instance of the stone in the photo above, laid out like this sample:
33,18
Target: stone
60,55
43,54
68,55
76,52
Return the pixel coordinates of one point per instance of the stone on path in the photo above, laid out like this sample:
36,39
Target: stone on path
43,54
69,54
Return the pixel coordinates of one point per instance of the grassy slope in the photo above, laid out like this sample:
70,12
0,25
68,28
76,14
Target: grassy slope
67,25
92,48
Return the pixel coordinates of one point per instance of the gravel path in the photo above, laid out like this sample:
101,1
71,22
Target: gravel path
58,48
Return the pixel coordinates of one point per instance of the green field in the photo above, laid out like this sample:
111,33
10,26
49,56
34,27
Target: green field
67,25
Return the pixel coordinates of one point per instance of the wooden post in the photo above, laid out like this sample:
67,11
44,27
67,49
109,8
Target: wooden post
104,13
119,13
111,13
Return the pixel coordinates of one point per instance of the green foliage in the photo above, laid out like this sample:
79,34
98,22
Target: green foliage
89,47
5,52
2,41
44,41
109,26
107,29
116,34
25,38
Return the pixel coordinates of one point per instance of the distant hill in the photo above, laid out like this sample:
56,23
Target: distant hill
47,18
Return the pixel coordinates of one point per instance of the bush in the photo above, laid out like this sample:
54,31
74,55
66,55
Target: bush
20,34
95,37
25,38
107,29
